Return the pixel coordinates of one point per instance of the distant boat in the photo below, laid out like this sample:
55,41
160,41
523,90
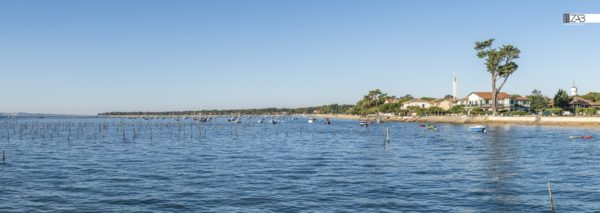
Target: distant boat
432,127
237,120
327,121
272,121
260,121
581,137
379,121
478,129
312,120
364,123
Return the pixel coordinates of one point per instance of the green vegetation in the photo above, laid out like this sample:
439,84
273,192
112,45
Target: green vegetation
370,103
555,111
390,108
561,100
457,110
327,109
499,63
592,96
587,111
538,101
477,111
374,102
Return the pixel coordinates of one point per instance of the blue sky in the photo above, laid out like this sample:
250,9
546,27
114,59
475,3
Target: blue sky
85,57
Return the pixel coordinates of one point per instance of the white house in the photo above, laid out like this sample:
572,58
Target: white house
505,101
417,103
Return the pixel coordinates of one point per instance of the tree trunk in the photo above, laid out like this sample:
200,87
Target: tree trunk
494,96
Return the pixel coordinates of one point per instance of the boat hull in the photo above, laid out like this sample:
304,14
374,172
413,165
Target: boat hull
478,129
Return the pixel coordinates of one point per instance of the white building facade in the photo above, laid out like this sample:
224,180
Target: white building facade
484,100
416,103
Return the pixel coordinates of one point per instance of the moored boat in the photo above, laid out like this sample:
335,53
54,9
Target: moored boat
581,137
478,129
364,123
432,127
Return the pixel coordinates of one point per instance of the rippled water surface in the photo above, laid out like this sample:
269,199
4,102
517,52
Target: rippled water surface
186,166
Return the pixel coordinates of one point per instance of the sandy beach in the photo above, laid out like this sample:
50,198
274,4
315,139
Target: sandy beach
521,120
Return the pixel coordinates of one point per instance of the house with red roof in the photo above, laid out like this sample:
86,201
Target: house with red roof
505,101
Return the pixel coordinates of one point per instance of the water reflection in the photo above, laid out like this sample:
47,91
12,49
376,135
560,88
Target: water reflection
500,169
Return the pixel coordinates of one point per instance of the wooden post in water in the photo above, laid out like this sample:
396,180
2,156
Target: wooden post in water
134,134
551,199
69,136
387,134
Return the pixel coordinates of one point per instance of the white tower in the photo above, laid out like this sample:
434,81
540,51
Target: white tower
454,93
574,90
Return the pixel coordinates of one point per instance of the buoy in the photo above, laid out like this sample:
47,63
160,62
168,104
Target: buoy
587,137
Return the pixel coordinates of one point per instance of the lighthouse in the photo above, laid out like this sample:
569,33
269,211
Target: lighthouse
574,90
454,92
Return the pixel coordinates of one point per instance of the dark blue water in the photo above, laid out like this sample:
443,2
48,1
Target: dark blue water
186,166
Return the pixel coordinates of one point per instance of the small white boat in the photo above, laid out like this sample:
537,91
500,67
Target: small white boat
364,123
478,129
311,120
272,121
261,121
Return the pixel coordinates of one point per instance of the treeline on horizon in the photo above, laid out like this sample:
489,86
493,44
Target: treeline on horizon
326,109
375,102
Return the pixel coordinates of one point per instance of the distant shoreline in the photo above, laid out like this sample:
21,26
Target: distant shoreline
562,121
512,120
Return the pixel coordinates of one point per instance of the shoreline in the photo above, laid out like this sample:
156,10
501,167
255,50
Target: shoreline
499,120
593,122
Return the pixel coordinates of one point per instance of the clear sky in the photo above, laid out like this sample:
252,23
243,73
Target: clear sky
85,57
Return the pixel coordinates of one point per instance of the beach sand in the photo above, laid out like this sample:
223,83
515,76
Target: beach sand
520,120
